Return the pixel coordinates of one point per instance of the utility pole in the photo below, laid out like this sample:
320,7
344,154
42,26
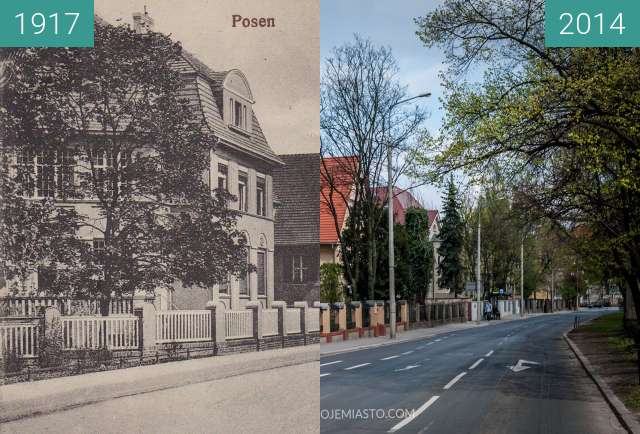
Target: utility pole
478,274
392,265
392,274
552,290
522,275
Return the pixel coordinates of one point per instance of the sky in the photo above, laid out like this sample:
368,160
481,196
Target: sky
280,63
390,23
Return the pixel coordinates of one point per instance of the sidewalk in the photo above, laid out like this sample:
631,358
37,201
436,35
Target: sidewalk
40,397
412,335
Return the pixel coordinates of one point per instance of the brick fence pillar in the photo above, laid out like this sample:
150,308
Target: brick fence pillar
256,307
218,336
282,325
302,305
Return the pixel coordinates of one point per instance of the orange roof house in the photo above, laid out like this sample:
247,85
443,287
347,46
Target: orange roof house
336,187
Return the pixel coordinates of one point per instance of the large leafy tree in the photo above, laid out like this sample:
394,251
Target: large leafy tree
109,126
360,117
451,269
561,122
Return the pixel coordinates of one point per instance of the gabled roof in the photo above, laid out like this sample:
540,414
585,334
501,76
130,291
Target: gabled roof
333,194
402,201
296,186
207,94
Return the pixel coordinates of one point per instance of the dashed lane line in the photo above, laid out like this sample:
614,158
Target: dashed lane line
324,375
406,353
476,364
390,357
414,414
330,363
489,354
454,381
356,366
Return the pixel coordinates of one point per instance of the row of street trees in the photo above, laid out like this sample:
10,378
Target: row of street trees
561,125
109,126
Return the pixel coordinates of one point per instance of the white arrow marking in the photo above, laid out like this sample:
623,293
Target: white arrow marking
407,368
520,365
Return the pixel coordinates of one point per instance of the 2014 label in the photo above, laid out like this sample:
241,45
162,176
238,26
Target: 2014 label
582,24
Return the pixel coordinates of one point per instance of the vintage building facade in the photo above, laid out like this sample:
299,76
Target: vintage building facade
297,228
241,161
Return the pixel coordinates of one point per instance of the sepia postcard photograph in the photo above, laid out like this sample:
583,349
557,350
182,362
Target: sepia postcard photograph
159,220
320,216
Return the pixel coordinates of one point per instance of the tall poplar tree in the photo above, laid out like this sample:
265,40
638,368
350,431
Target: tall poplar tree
451,269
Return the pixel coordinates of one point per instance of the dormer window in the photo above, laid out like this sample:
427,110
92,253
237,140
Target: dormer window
238,114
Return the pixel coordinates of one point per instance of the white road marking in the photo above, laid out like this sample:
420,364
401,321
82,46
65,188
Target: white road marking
454,381
414,414
390,357
419,348
520,366
406,368
324,375
330,363
438,340
431,343
476,364
356,366
489,354
406,353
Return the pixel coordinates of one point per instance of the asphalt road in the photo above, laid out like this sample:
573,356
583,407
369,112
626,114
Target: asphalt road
281,400
467,382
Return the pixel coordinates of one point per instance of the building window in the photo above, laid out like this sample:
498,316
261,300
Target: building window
244,279
243,181
98,250
262,273
47,173
298,270
223,174
223,287
237,115
261,208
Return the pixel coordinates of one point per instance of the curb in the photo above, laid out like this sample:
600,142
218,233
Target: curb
129,385
622,413
390,342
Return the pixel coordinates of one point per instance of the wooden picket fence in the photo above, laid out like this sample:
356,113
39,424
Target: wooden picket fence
112,332
19,337
238,324
183,326
30,306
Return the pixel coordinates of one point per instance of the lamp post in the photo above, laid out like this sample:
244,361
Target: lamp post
392,283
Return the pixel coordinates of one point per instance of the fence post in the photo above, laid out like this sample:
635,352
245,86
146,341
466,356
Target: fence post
404,318
325,320
217,327
341,317
256,307
138,312
282,324
303,318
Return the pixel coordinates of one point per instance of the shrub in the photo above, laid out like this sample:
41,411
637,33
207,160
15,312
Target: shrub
12,362
331,283
50,346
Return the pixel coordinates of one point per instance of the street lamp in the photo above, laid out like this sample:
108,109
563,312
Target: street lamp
392,283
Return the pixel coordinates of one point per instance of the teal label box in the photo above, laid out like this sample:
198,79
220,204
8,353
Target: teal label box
592,23
46,23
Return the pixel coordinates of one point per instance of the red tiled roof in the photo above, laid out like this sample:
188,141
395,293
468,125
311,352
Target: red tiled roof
402,201
333,194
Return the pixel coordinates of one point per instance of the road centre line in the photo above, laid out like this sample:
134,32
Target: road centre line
454,381
431,343
390,357
324,375
406,353
476,364
489,354
330,363
356,366
438,340
414,414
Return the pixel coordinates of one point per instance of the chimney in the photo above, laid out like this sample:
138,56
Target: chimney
142,22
